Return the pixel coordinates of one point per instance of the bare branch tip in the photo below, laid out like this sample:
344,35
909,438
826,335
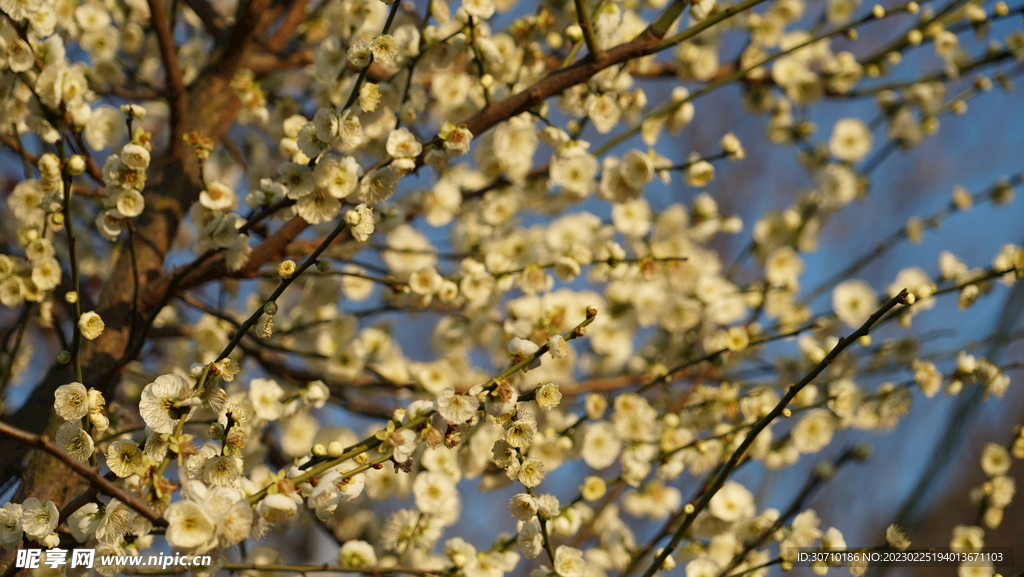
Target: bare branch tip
904,297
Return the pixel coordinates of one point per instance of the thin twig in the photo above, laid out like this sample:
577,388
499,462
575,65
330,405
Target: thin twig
583,17
734,460
76,339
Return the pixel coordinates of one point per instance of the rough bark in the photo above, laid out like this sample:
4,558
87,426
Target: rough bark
174,184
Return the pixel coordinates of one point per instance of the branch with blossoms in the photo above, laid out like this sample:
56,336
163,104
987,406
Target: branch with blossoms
320,464
679,103
720,477
823,472
739,341
102,484
961,201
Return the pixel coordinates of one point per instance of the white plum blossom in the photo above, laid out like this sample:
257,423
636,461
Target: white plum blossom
814,431
278,507
297,179
574,169
189,525
356,553
91,325
265,396
361,222
38,519
165,401
338,175
135,157
10,525
853,302
73,440
72,401
732,502
482,9
601,445
403,443
334,488
851,140
569,562
124,457
456,407
403,144
457,138
702,567
218,195
434,492
518,347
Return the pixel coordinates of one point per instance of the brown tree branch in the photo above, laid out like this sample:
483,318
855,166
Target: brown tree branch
253,17
650,41
561,80
212,20
201,271
102,484
176,96
296,13
267,62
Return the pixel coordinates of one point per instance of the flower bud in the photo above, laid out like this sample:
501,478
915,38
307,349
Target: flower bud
862,451
133,110
217,431
593,488
335,449
76,165
286,269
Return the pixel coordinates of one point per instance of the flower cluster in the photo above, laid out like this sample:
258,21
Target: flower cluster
125,176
